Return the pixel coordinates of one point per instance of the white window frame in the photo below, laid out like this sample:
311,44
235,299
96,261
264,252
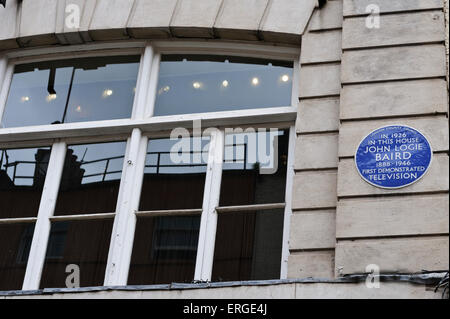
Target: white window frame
137,130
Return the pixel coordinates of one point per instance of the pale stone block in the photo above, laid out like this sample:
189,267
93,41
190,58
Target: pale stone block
350,182
313,230
151,18
195,18
318,115
406,28
317,264
357,7
320,80
321,47
38,22
409,62
434,128
393,99
239,19
314,189
393,255
387,290
316,151
285,20
329,17
392,216
109,20
67,31
9,29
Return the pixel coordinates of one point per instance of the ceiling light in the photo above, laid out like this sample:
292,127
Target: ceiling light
24,98
51,97
197,85
225,83
78,109
107,92
285,78
255,81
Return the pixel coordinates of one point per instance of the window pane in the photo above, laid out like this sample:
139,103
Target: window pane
81,243
22,175
248,246
91,179
15,243
174,174
75,90
254,170
165,250
197,84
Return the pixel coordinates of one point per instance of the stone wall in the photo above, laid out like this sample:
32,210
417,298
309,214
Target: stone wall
313,223
393,74
35,23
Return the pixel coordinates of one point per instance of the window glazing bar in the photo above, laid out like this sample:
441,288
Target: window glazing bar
145,69
82,217
4,87
242,208
288,208
18,220
169,212
122,236
208,222
152,86
46,208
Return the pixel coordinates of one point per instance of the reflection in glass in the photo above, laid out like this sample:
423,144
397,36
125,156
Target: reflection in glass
197,84
254,170
174,177
82,243
91,179
248,246
15,243
22,175
165,250
75,90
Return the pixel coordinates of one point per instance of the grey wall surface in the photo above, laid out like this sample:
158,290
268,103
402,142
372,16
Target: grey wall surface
42,22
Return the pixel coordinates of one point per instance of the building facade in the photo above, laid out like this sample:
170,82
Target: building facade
259,193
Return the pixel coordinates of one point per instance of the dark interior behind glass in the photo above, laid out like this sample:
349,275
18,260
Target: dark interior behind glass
91,179
165,250
84,244
248,245
22,176
254,170
15,244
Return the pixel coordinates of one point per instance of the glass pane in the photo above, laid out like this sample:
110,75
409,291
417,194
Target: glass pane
248,246
254,170
22,175
75,90
197,84
174,175
165,250
15,243
81,243
91,179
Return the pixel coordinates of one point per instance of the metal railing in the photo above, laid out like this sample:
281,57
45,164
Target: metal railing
108,160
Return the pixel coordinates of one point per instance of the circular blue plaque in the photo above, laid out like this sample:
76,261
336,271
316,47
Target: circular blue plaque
393,156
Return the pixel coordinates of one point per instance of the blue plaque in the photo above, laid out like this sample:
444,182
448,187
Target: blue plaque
393,156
